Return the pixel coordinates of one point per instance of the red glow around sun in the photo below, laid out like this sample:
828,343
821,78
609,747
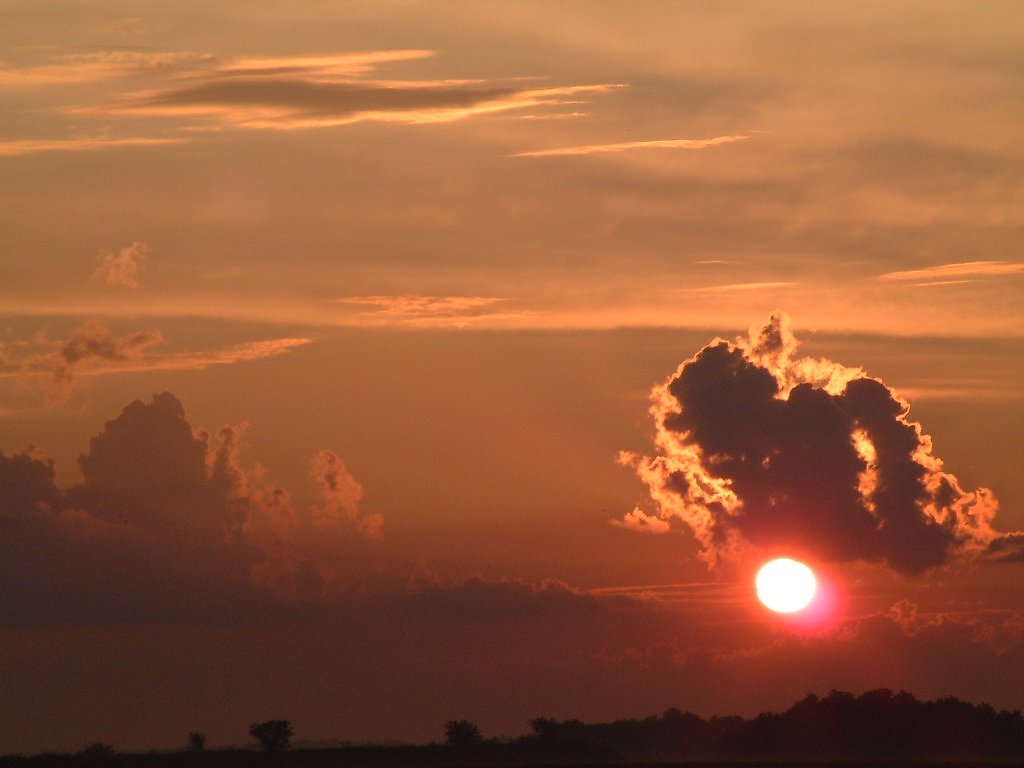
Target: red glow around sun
803,599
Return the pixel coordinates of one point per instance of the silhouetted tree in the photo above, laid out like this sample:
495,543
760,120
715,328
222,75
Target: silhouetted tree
273,735
545,728
97,754
462,733
196,742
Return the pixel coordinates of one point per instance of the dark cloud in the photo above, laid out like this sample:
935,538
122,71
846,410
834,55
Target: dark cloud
759,449
28,489
168,525
321,98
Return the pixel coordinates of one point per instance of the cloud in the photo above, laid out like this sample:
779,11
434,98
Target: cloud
640,521
341,494
298,92
95,67
424,309
197,92
122,268
760,451
946,274
168,524
32,146
93,344
739,287
593,149
93,350
239,353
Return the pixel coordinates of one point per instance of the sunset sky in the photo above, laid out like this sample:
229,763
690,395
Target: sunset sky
374,364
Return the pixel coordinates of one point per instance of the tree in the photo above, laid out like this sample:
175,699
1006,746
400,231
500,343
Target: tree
196,742
273,735
545,728
462,732
98,754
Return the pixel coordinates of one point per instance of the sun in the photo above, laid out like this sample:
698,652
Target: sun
785,585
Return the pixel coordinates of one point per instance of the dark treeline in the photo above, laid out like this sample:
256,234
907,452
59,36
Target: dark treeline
875,726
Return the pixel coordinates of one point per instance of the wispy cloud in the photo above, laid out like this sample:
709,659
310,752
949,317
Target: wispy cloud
54,368
296,103
31,146
739,287
591,149
240,353
424,306
310,91
458,311
94,67
946,274
191,92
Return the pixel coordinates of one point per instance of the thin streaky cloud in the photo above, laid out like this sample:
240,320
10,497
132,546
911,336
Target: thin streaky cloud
343,64
300,102
32,146
959,269
172,361
591,149
96,67
739,287
409,305
240,353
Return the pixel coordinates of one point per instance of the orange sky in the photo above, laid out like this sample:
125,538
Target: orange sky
328,333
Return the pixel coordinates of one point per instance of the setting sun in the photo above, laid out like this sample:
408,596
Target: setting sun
785,585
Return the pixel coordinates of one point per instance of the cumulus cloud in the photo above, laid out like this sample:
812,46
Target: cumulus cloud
168,522
341,494
123,267
758,449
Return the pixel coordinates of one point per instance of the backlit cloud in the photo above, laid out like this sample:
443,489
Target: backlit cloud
593,149
758,450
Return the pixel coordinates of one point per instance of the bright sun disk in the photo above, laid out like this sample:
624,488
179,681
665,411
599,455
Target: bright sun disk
785,585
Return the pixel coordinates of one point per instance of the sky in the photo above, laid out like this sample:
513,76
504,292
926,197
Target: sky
375,364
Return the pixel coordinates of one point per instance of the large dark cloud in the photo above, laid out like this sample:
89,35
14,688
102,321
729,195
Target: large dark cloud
168,525
322,98
759,449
